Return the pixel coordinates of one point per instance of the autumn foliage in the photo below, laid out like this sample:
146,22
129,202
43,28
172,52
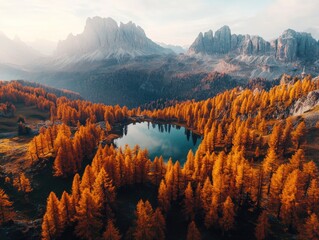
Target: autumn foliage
250,160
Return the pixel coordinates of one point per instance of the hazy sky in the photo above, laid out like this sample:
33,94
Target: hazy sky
169,21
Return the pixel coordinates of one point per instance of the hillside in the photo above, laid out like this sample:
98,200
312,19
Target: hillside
254,173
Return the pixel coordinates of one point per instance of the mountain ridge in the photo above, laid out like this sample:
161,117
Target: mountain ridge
288,47
103,38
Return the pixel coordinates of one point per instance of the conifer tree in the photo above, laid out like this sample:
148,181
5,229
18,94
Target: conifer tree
193,232
104,193
22,183
211,217
67,209
88,179
189,203
88,217
46,233
158,225
312,197
277,185
111,232
76,190
144,225
206,195
269,165
163,197
298,133
5,206
228,218
291,197
311,228
262,227
53,224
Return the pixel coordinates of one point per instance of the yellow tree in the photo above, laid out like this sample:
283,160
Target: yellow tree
228,218
52,222
158,225
312,198
5,206
67,209
269,166
104,193
298,133
311,228
291,198
144,224
206,195
88,179
22,183
111,232
297,160
274,138
88,217
277,185
189,203
46,233
211,217
163,197
262,227
193,232
76,191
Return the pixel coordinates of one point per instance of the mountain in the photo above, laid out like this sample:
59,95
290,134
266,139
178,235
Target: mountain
16,52
288,47
45,47
103,38
175,48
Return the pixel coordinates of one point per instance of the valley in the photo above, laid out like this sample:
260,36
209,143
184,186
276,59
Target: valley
154,120
53,161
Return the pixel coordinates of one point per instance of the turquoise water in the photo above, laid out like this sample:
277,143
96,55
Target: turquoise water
160,139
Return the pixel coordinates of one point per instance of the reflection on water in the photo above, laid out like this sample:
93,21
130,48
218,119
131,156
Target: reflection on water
160,139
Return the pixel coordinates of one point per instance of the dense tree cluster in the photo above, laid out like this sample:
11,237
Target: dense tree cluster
14,92
7,109
250,159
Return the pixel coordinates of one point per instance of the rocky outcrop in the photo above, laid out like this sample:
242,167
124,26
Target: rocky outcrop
209,43
103,38
305,104
292,45
289,47
224,42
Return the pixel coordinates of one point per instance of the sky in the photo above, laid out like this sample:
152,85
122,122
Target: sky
175,22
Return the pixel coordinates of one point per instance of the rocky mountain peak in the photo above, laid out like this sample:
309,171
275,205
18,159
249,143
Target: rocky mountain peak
103,38
288,47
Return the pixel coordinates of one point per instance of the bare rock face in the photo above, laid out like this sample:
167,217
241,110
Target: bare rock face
292,45
305,104
289,47
103,38
220,43
222,40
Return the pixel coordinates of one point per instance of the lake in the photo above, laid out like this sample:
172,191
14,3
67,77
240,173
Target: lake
167,140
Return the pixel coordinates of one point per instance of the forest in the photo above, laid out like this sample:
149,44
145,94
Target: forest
250,178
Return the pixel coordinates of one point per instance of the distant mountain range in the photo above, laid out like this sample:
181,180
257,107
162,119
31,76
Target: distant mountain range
102,39
16,52
118,64
288,47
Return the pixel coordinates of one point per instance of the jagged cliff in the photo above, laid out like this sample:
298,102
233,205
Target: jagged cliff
103,38
288,47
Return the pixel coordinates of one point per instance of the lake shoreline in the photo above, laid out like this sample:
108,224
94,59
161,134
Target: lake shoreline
174,140
115,134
